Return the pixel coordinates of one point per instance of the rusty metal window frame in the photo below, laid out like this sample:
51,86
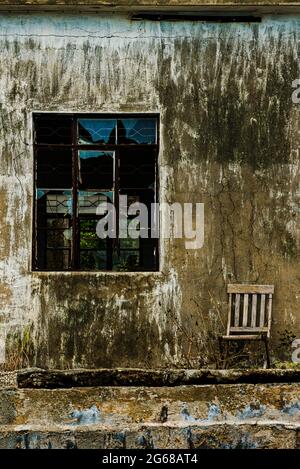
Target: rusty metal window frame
75,147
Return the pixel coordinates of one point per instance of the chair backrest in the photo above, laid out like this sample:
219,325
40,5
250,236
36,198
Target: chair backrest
250,309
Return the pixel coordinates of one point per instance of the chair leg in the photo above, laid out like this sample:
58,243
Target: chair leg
267,352
225,350
221,351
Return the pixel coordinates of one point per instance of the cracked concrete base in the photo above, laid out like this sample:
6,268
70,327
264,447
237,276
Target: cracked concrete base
8,379
264,435
228,415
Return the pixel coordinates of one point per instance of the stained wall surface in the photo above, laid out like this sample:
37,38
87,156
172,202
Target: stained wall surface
229,138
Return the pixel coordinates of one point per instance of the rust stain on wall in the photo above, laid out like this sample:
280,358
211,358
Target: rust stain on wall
5,293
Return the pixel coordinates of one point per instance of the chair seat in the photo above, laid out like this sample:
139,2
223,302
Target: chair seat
243,337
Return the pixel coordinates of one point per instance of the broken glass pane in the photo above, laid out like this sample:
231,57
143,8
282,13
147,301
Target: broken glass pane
89,201
54,168
58,259
88,235
96,182
93,260
149,253
96,131
137,131
58,223
142,212
59,238
137,168
57,202
96,169
129,243
126,261
54,228
53,129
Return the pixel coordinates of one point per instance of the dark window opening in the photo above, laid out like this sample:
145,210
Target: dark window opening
80,162
222,17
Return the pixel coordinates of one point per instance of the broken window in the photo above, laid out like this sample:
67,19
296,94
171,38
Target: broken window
82,161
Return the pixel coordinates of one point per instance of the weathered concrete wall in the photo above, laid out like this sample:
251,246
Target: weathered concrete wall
214,436
222,416
229,138
120,406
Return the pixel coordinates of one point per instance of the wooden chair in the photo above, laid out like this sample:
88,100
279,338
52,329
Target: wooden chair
249,315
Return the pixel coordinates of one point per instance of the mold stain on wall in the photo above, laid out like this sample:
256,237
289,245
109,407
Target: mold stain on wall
229,139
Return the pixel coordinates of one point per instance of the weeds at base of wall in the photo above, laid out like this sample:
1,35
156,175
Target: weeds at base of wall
204,351
286,365
19,349
285,349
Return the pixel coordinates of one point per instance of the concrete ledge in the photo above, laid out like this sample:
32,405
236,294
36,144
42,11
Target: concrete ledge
148,5
8,379
222,436
200,416
118,407
144,3
51,379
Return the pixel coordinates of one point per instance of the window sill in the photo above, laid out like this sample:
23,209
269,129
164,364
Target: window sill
44,273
